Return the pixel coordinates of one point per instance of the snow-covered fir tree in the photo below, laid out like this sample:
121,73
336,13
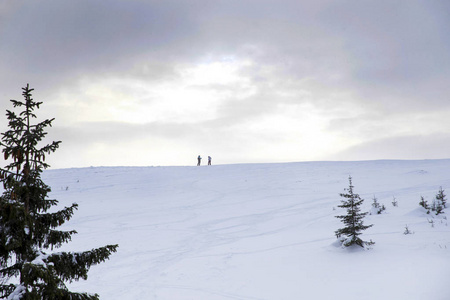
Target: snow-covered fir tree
353,220
439,202
437,207
441,197
27,229
407,230
424,204
394,202
377,209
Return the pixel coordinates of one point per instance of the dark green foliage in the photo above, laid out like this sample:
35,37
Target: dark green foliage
440,197
353,220
439,202
437,207
27,229
424,204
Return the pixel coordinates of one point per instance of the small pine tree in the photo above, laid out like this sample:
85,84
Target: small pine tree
376,207
353,220
375,203
407,231
431,222
424,204
394,202
440,197
433,205
437,207
27,229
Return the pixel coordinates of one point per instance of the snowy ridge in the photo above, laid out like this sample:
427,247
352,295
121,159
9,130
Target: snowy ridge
258,231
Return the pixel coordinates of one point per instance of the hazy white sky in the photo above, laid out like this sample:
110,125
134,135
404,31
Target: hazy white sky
140,82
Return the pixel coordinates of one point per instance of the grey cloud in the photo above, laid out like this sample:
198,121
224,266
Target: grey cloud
118,132
55,35
59,36
398,50
370,42
52,44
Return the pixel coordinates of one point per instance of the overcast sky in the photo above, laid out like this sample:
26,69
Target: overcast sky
143,82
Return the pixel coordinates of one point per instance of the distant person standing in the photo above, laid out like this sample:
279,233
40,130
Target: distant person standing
209,160
199,160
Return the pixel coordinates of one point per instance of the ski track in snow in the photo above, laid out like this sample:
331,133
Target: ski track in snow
257,231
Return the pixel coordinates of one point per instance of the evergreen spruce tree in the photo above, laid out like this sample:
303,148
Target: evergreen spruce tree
424,204
437,207
27,230
440,197
433,206
394,202
376,207
353,220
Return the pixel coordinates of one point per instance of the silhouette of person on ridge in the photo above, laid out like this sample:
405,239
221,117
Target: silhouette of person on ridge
199,160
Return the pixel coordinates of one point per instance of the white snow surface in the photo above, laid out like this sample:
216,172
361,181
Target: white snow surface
257,231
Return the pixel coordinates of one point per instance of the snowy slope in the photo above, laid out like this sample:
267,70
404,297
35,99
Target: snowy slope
257,231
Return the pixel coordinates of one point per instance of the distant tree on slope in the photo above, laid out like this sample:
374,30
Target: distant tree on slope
27,229
440,196
376,207
439,202
353,220
424,204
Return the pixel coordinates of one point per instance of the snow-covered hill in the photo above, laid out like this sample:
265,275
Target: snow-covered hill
258,231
